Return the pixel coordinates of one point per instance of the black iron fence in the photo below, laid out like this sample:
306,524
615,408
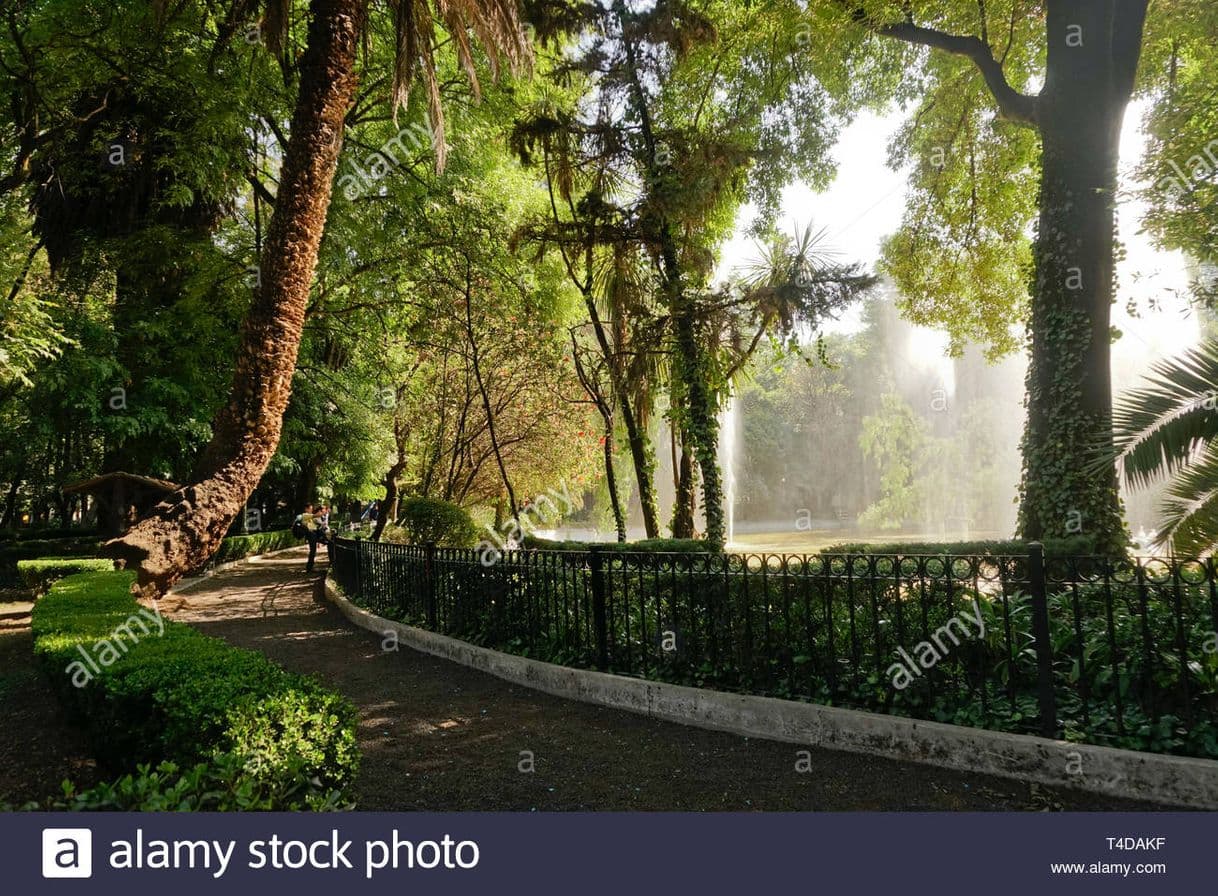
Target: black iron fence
1115,652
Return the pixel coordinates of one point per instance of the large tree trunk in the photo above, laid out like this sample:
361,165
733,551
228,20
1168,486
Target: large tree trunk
389,505
684,504
184,531
702,424
1093,55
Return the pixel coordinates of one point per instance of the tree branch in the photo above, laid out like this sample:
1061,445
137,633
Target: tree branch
1012,105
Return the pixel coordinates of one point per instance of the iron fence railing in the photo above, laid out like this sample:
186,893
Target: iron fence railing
1085,647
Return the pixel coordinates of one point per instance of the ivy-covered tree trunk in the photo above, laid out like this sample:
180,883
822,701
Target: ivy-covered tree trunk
1093,56
686,493
183,531
700,420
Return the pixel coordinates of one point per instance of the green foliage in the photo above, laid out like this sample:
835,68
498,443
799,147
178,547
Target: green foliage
175,695
37,548
37,575
1080,545
432,521
645,545
221,785
1178,170
13,553
1168,428
237,546
52,534
898,441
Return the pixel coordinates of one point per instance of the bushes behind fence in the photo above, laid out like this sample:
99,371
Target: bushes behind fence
1129,651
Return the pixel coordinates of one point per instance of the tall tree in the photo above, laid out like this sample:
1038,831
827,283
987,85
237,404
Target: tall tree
695,107
1086,55
183,531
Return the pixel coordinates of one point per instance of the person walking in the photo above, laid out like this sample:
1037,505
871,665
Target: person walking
306,526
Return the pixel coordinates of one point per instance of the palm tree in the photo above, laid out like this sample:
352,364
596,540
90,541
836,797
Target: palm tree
1168,427
184,531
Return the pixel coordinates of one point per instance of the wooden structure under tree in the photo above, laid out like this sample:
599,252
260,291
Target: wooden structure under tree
122,498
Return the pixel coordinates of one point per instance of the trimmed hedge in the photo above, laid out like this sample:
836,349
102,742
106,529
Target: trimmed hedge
37,575
238,546
8,536
643,546
12,553
430,520
1079,545
151,691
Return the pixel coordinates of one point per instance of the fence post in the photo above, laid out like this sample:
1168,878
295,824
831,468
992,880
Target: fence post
359,570
598,607
429,583
1040,635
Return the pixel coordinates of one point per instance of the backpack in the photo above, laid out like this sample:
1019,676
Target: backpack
298,528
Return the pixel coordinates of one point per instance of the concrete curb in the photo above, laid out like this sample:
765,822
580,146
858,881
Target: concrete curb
1173,781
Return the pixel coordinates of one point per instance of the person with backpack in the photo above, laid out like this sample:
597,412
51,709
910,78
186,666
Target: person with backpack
298,525
306,526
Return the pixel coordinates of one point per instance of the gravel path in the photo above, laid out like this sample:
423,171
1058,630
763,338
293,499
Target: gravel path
439,736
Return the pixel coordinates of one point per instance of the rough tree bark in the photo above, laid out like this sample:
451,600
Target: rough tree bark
183,531
684,504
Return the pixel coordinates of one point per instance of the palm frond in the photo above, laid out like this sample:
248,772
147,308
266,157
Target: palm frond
495,24
1190,507
1158,427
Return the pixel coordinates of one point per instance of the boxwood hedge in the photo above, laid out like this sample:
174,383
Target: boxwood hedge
37,575
151,692
237,546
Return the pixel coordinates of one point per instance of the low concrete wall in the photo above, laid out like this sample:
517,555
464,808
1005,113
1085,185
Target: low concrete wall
1170,780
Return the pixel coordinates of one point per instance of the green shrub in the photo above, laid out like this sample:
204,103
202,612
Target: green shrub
170,693
220,785
37,575
430,520
54,534
63,547
1079,545
12,553
644,546
238,546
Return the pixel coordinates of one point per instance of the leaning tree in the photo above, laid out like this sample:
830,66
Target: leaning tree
183,531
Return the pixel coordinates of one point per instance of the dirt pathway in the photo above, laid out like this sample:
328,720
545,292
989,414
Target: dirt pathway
439,736
38,747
